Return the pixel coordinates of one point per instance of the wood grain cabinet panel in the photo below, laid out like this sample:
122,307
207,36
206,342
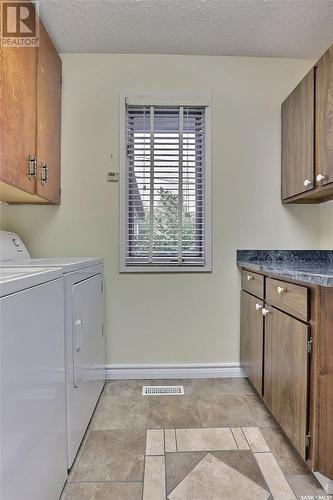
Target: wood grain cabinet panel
297,120
18,68
324,117
293,299
251,344
48,119
286,374
30,109
253,283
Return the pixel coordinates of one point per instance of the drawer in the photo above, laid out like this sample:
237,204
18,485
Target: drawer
293,299
253,283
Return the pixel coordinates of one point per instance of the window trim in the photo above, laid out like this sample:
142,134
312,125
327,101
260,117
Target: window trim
195,99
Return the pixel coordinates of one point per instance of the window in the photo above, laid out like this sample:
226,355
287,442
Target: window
166,223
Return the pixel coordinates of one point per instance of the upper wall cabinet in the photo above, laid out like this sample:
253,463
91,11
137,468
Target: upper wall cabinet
324,118
30,89
297,139
307,137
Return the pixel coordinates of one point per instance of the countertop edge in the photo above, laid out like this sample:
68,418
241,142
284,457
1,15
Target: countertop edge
298,276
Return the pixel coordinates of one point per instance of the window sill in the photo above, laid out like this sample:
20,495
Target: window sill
165,269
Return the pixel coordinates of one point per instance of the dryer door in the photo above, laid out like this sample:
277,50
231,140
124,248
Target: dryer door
87,326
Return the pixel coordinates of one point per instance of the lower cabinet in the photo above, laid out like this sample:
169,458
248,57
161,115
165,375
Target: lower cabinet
251,345
286,374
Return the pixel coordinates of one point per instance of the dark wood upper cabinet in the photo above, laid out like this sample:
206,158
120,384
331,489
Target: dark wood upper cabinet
307,137
30,90
252,339
18,73
48,119
324,118
297,121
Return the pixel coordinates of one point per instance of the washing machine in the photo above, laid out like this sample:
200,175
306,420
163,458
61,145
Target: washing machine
85,349
33,434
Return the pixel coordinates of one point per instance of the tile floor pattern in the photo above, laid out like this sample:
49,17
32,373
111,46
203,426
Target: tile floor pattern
217,442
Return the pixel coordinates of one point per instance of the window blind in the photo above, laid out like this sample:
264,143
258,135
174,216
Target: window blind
165,179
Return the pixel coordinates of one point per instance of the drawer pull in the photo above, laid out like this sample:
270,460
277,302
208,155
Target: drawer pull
258,307
249,277
265,311
281,290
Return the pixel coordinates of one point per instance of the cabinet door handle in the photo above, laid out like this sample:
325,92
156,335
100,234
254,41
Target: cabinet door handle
281,290
307,183
249,277
265,311
258,307
321,178
44,175
32,167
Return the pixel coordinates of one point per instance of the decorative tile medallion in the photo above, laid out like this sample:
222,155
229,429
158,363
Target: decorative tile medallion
216,463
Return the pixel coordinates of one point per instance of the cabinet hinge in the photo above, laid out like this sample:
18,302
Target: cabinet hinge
307,440
309,345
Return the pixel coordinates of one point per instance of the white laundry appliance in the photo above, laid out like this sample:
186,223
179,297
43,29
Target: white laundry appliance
85,348
33,444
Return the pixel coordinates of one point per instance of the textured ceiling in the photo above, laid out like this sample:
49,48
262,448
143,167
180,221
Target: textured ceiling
275,28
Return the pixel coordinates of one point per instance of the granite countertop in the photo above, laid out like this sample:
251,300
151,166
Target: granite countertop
308,266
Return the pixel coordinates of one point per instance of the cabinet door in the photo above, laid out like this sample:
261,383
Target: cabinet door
48,119
251,339
324,117
297,119
286,374
18,67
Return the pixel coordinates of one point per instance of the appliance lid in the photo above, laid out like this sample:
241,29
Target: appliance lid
68,264
15,279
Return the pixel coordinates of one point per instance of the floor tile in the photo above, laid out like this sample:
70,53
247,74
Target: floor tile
178,465
243,387
120,412
205,439
103,491
111,456
172,412
154,481
224,411
259,412
244,462
122,388
155,442
240,438
307,485
255,439
288,459
274,477
220,386
170,440
210,478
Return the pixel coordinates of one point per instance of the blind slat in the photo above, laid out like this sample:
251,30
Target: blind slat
166,217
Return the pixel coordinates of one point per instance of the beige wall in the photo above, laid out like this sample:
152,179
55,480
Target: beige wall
178,318
326,226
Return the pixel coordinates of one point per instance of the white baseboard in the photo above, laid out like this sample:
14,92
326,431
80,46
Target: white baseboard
165,371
